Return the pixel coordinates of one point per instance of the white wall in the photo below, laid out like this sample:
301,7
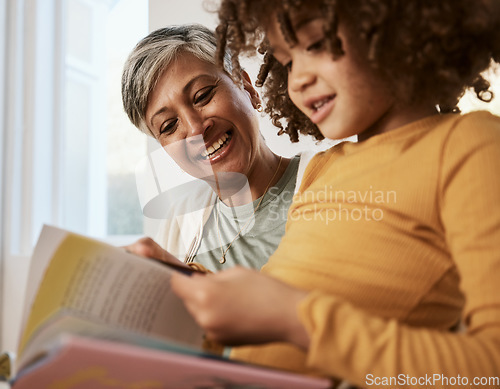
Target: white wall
163,13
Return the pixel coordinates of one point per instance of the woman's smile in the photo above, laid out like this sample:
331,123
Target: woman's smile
214,151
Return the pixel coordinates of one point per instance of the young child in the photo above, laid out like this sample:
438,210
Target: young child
393,241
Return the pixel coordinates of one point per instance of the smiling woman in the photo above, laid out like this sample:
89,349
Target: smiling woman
207,122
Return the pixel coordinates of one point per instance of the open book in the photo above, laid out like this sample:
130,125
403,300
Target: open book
97,317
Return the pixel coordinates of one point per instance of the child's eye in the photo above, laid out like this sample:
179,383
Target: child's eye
317,46
204,95
169,128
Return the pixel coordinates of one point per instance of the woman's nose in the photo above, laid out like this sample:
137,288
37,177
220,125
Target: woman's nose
196,124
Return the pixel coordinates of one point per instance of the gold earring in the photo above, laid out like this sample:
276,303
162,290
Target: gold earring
259,107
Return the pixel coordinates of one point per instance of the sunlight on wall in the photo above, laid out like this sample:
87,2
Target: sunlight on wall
470,102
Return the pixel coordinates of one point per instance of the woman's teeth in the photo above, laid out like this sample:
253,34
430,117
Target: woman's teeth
224,139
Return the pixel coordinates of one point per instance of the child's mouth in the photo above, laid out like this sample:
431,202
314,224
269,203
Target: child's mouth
317,105
321,108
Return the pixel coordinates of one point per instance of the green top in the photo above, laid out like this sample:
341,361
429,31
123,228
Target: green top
260,233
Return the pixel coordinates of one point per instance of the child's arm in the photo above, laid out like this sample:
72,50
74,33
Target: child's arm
241,306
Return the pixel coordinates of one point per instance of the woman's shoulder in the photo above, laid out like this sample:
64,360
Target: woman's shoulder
185,218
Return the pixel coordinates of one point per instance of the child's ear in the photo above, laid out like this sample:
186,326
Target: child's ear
248,86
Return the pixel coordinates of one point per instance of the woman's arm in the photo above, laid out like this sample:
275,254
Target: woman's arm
147,247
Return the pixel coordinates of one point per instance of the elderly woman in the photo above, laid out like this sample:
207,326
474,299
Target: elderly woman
207,122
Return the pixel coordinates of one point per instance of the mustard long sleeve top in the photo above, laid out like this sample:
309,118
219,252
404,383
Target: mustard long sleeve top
397,238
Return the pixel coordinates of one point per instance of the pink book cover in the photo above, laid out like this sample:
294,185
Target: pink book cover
81,363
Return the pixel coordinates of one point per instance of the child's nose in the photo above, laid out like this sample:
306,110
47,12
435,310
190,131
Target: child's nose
300,76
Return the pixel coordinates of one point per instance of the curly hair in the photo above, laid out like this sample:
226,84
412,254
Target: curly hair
427,50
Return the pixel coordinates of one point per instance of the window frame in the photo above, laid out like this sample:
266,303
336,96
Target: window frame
33,70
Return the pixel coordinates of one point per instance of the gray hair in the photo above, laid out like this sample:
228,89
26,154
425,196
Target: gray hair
153,54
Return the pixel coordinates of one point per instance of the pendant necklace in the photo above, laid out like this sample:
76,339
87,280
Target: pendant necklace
224,252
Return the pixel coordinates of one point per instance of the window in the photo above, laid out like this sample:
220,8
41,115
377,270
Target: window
101,147
56,116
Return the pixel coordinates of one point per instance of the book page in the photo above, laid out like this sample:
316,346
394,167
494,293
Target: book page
44,340
98,281
48,241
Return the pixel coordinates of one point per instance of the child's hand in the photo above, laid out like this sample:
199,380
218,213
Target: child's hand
241,306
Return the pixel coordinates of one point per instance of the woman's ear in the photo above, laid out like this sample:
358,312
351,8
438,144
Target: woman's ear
248,86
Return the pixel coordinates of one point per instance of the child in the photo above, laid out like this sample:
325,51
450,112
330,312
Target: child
393,241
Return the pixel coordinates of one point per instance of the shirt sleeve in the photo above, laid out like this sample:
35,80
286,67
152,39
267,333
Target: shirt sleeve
362,348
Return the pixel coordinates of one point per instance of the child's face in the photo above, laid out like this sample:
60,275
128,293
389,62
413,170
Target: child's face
343,97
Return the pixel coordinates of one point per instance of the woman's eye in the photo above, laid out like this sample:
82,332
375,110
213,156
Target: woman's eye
169,128
288,66
204,95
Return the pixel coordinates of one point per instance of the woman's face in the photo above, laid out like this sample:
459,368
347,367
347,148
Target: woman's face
205,122
343,97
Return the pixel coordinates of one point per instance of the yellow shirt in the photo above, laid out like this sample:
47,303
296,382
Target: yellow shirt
397,238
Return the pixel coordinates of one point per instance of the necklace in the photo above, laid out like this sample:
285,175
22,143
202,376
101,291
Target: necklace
224,252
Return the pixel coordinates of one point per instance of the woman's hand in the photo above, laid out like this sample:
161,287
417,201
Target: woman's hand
241,306
147,247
